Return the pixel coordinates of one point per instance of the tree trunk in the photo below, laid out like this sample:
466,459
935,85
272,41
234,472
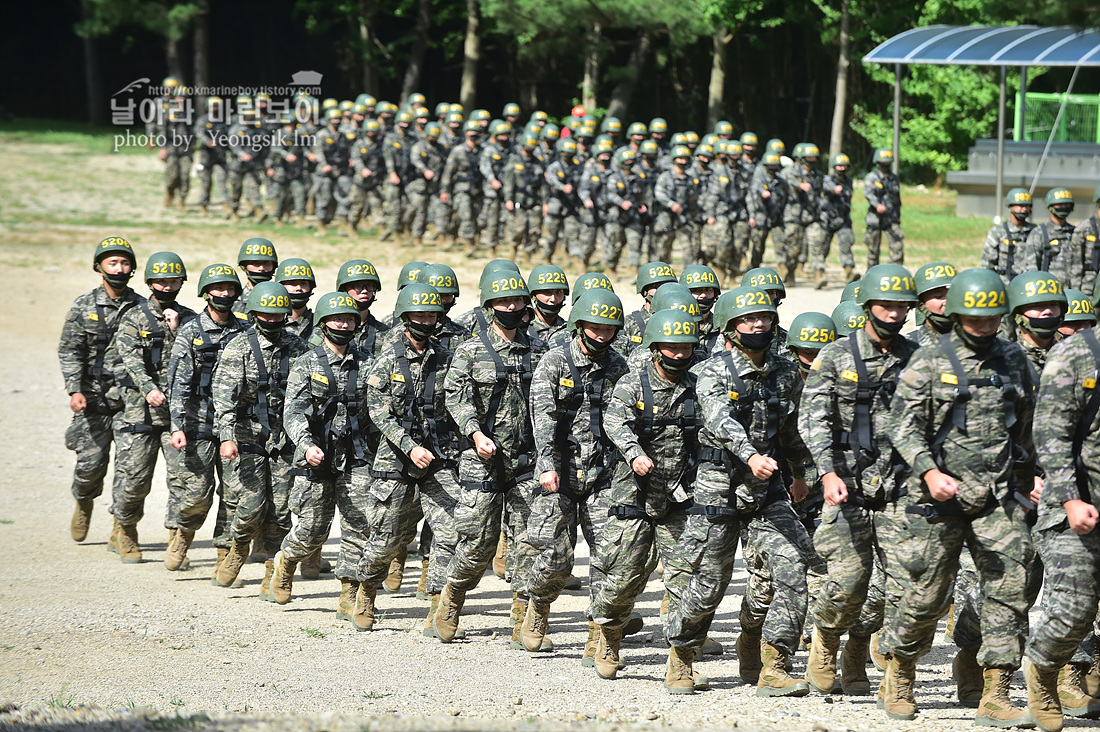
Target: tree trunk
836,135
172,57
716,92
202,53
471,56
419,46
624,90
591,69
93,83
366,45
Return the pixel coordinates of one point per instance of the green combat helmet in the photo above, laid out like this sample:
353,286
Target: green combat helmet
883,156
113,245
696,276
511,109
566,146
408,273
336,303
658,125
418,298
777,146
889,283
851,292
811,331
934,276
217,274
637,128
670,326
357,270
674,296
503,283
601,307
977,292
848,317
840,160
1079,308
766,278
1060,201
1036,288
737,302
258,249
547,277
441,277
163,266
1018,197
722,127
269,297
294,268
654,273
591,281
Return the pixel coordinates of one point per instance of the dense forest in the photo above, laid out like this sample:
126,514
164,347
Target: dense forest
788,69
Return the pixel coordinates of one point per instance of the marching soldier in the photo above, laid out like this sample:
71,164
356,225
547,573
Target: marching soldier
427,159
836,214
1003,240
492,162
460,188
396,147
623,224
211,137
767,197
368,167
560,210
1086,236
802,233
296,275
1048,247
932,282
523,182
676,197
882,189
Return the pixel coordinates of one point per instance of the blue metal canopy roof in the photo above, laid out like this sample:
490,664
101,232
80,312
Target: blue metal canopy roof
984,45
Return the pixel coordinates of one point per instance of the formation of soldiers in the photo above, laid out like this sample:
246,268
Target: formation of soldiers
479,183
894,479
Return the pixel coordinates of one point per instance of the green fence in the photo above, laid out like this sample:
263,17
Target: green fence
1080,121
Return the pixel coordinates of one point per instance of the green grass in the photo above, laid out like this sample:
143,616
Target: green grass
179,721
177,702
313,632
180,647
7,522
62,699
7,647
82,137
374,695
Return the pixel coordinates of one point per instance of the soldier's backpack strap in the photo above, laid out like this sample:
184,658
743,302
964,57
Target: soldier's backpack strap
370,330
202,377
563,431
1084,425
639,322
155,352
263,386
104,333
419,419
482,321
334,397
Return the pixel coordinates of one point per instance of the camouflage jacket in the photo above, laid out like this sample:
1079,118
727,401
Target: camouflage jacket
803,207
426,156
662,425
331,148
462,172
302,327
925,415
1036,359
237,394
682,189
406,402
625,186
836,208
366,154
1050,247
549,334
195,352
630,337
723,196
1086,238
1000,252
885,189
86,336
323,407
558,391
523,181
828,410
491,162
143,346
450,333
768,212
396,149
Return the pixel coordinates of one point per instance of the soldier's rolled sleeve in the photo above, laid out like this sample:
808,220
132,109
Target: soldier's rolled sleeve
224,388
130,352
816,418
617,425
180,384
545,400
713,396
69,352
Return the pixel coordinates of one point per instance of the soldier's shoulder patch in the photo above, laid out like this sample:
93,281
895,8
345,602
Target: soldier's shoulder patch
561,174
1090,237
198,341
723,179
93,316
849,375
329,140
641,407
398,377
1090,383
240,316
566,382
949,379
145,333
816,365
363,150
496,157
596,178
321,378
374,381
520,166
620,185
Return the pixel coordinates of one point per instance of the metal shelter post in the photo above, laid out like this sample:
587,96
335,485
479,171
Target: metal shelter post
1022,112
897,116
1001,142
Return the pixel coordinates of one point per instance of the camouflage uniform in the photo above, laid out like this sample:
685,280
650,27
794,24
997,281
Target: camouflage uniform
462,184
492,162
201,468
210,137
624,226
802,233
569,382
883,187
592,188
523,181
142,346
1086,238
926,418
396,147
286,184
870,522
675,229
302,327
1049,247
649,513
244,176
331,149
562,214
766,212
835,218
722,201
423,194
85,337
366,195
250,413
180,148
1001,250
630,337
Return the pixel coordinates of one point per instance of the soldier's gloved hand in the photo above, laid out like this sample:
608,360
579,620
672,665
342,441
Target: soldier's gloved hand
421,457
549,481
315,456
179,440
762,466
1082,516
155,397
485,447
941,487
1036,491
77,402
834,489
229,450
642,465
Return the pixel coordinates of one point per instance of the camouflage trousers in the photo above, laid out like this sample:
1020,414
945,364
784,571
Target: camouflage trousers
398,212
552,535
667,239
1070,592
136,448
386,513
894,236
845,238
90,435
1001,547
465,207
590,231
524,228
325,199
208,161
434,499
420,196
757,238
797,239
717,248
775,600
616,235
478,515
557,226
177,175
243,178
848,540
201,473
260,501
628,553
352,501
286,196
708,549
313,502
740,246
341,191
491,220
363,202
816,244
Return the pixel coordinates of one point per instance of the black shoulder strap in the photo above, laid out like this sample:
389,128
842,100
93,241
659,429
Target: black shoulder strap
104,333
156,335
263,386
334,397
1000,379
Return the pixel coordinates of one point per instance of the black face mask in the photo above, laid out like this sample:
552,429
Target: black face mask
803,367
755,342
299,299
509,320
419,331
548,311
363,306
257,277
118,281
595,348
975,343
674,365
271,330
1062,211
705,304
1022,216
165,298
1042,328
221,303
941,323
885,331
338,337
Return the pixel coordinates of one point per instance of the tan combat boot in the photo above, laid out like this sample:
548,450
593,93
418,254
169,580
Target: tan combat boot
996,708
1092,677
265,586
168,199
519,612
321,229
428,628
789,277
422,585
535,626
588,658
607,651
820,283
345,606
1071,693
279,222
821,665
217,566
204,211
234,217
710,647
392,583
1042,696
850,275
968,678
176,555
774,679
678,675
310,566
363,613
853,667
233,562
748,656
448,613
282,581
256,553
877,657
128,547
112,540
897,688
182,203
662,611
949,625
300,222
501,557
82,518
